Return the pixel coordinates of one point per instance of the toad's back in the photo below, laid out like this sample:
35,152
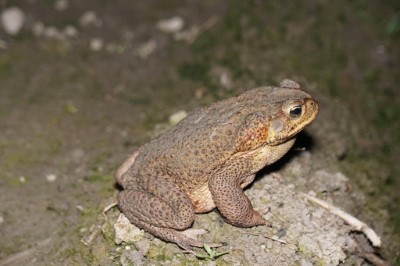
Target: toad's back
203,141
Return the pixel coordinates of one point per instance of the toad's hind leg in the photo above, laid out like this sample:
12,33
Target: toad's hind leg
158,206
158,202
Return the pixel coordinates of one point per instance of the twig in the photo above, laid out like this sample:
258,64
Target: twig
192,34
89,239
109,207
356,224
371,257
271,238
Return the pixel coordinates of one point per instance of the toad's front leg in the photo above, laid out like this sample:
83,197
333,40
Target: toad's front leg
228,196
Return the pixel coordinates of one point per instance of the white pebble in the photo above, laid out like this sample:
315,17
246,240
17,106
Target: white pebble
61,5
51,178
70,31
89,18
176,117
125,231
22,179
1,219
171,25
51,32
12,20
147,49
96,44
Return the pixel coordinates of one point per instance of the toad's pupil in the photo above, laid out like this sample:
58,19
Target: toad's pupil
295,111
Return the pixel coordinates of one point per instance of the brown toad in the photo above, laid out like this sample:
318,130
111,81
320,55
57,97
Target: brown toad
207,159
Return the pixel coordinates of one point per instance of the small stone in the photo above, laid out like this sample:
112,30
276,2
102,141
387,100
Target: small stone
1,219
96,44
171,25
132,258
176,117
312,193
381,49
291,186
143,246
51,178
70,31
22,179
51,32
12,19
89,18
125,231
305,263
225,80
146,49
61,5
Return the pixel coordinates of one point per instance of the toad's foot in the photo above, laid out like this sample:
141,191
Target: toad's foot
190,239
186,239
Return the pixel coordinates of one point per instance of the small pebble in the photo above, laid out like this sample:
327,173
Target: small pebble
61,5
96,44
312,193
171,25
51,178
70,31
1,219
51,32
12,19
291,186
22,179
89,18
381,49
147,49
125,231
176,117
225,80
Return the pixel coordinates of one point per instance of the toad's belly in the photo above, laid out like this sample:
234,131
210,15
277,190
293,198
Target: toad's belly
201,199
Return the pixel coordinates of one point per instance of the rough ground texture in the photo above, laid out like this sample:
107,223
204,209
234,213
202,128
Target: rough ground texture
78,92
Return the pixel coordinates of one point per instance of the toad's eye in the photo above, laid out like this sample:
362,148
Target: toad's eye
295,111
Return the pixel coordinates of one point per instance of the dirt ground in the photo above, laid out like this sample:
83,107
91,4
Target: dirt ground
85,82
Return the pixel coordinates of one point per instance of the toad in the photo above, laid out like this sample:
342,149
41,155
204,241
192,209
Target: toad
207,159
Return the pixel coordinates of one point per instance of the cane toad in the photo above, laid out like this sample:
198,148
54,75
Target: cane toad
206,160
